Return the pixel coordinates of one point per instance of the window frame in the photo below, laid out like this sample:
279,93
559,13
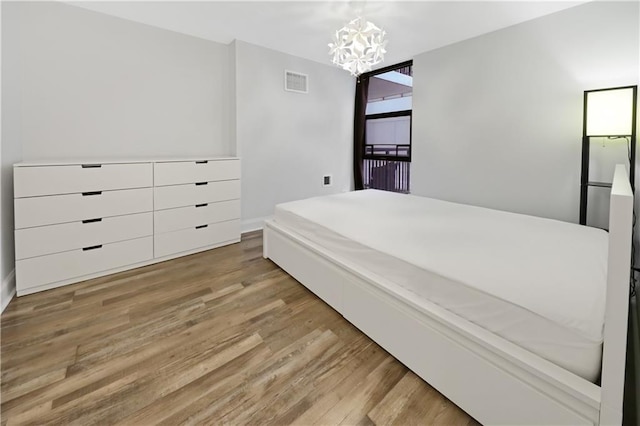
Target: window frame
402,113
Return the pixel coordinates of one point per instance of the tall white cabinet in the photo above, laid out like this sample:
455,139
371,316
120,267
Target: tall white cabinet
80,220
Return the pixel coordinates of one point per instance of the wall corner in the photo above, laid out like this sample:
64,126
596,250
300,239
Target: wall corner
8,290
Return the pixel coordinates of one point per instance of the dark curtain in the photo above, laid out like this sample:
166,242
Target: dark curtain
362,91
630,412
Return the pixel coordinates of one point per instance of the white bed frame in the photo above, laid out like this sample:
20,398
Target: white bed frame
492,379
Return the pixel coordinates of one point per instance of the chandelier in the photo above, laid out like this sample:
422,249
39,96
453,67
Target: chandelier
358,46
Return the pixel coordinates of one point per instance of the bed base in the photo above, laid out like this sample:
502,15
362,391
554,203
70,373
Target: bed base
492,379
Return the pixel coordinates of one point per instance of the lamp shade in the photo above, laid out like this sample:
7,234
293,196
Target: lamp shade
609,112
358,46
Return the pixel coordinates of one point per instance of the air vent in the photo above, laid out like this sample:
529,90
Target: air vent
296,82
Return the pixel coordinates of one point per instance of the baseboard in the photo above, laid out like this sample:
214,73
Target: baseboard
253,224
8,290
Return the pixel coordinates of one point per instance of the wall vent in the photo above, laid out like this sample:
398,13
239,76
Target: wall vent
296,82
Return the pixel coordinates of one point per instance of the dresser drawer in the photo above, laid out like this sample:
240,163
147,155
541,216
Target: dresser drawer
192,238
52,268
43,240
53,180
168,197
38,211
200,214
176,173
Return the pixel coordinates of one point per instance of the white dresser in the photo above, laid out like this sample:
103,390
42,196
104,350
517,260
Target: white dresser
195,204
81,220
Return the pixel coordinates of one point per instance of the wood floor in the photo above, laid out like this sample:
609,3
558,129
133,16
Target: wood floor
220,337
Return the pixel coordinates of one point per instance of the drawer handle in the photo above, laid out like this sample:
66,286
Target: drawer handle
92,248
201,205
92,220
202,162
201,226
201,183
84,194
91,166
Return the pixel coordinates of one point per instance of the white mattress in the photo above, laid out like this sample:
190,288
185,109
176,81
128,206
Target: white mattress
537,282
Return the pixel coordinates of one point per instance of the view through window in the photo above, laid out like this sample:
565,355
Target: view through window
387,148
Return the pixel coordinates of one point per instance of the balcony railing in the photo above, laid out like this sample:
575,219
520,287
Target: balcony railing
388,175
388,151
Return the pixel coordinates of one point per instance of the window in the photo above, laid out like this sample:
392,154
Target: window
387,133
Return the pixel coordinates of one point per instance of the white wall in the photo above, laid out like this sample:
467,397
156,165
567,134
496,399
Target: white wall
288,140
77,83
497,120
7,287
11,149
95,85
231,93
3,298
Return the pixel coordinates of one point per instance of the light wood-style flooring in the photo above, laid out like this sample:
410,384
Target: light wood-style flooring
219,337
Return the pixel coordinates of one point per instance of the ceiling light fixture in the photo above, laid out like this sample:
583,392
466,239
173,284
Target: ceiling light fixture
358,46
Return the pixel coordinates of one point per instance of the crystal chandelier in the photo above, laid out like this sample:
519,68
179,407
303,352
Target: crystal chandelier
358,46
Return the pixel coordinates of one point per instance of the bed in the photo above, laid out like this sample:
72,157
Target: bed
516,319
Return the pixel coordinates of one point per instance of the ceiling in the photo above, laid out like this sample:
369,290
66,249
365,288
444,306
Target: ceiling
303,28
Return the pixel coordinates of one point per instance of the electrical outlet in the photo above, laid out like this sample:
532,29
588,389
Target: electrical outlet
327,180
